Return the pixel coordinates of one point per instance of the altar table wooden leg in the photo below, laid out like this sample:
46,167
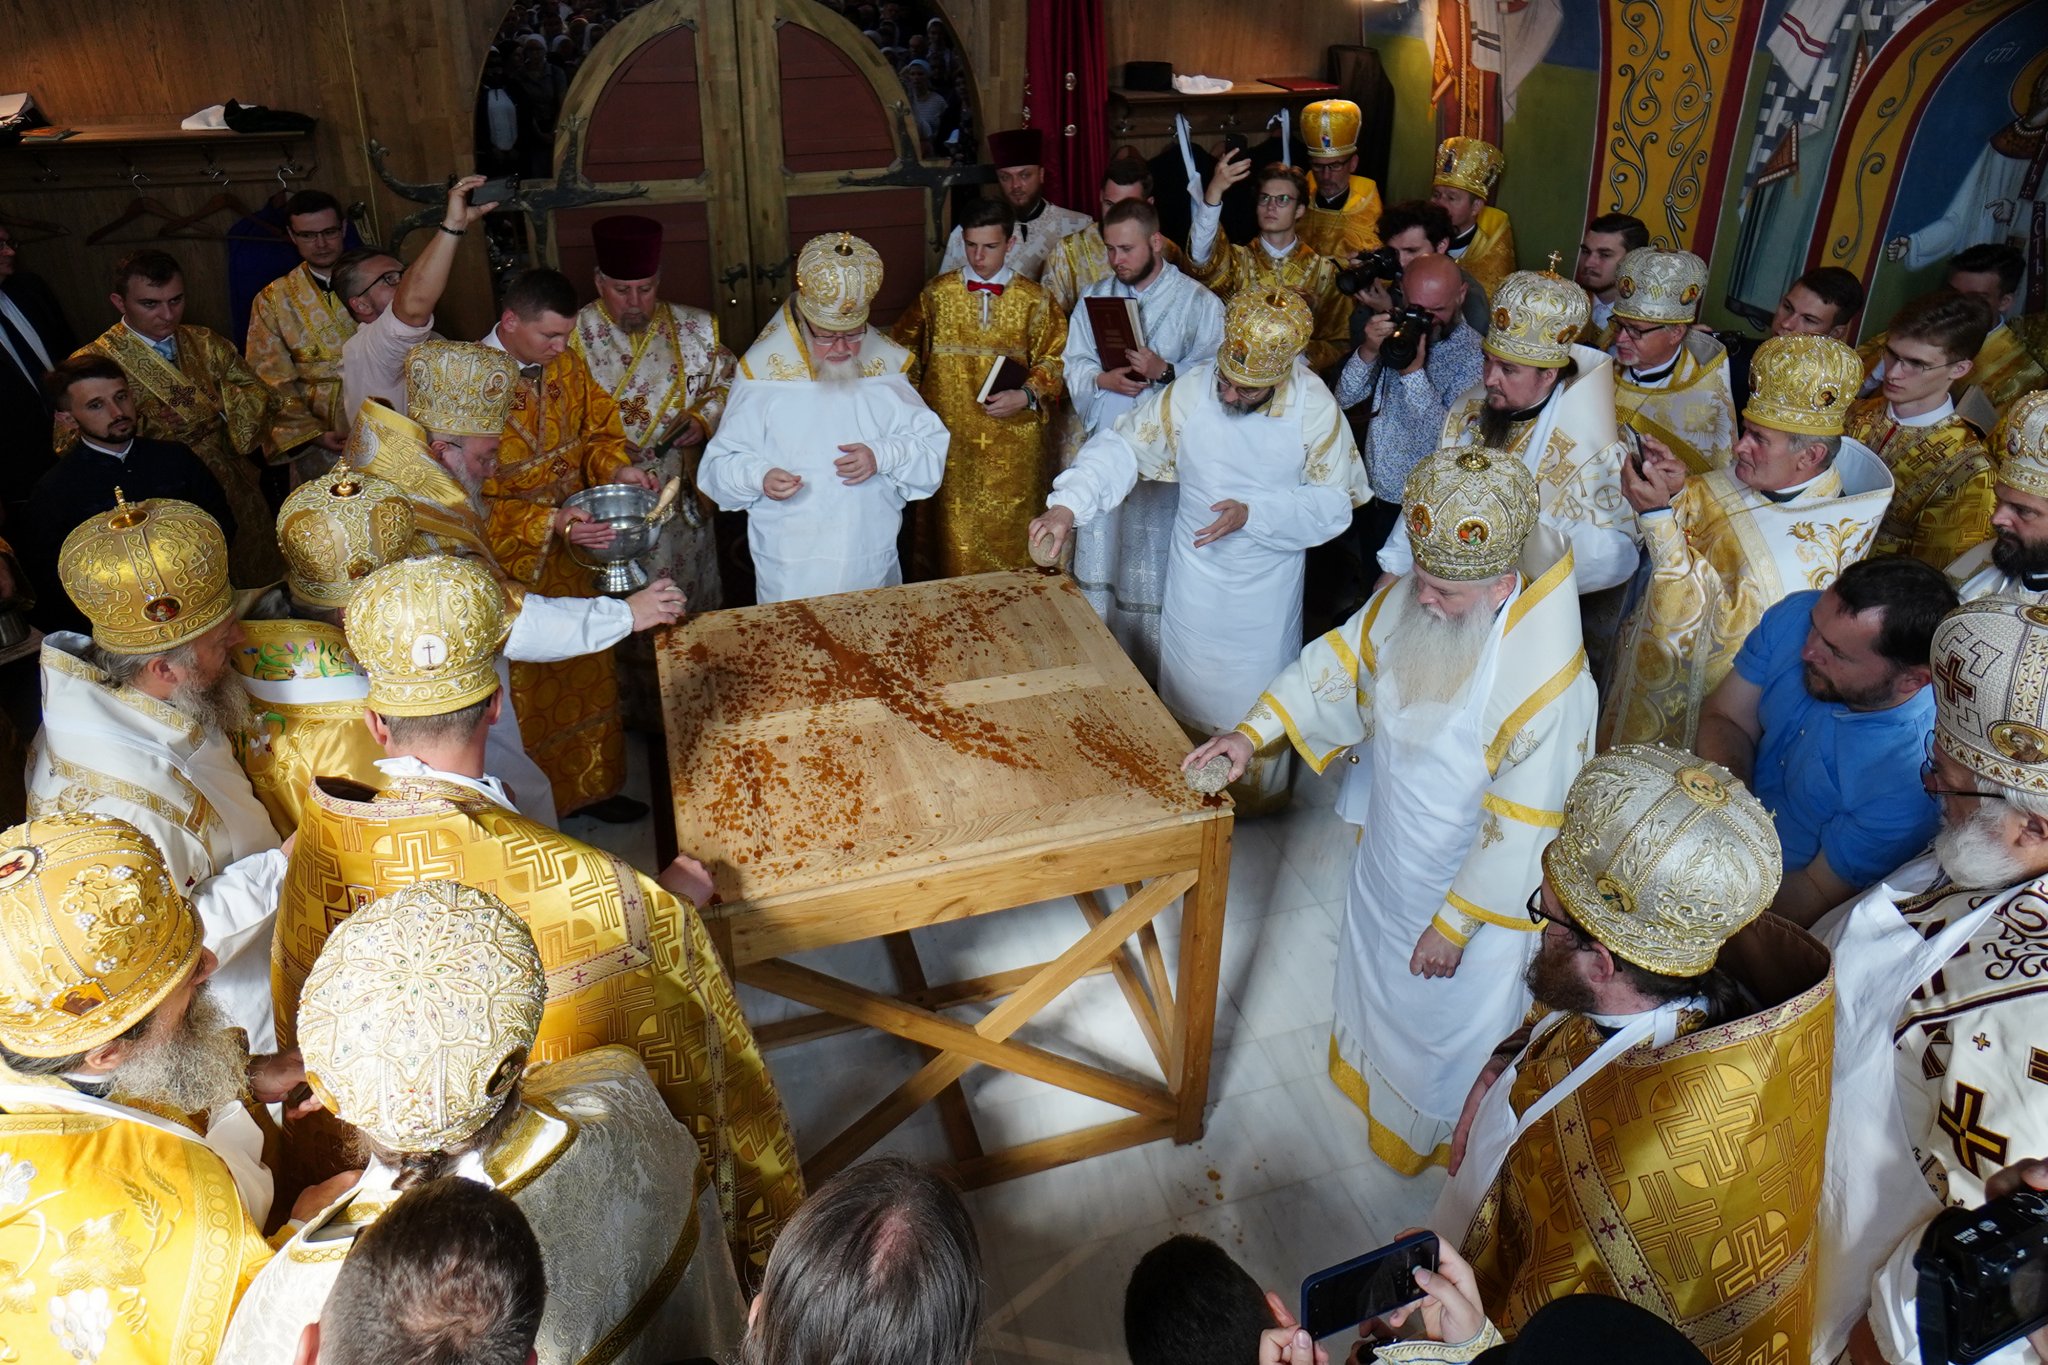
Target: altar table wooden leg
1201,955
954,1115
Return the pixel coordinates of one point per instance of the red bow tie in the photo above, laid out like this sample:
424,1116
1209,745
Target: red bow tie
984,286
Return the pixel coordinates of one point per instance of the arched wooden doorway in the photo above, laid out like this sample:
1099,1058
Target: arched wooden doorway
750,124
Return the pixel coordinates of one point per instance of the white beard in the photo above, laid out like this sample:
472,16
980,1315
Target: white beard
835,371
1973,855
1430,659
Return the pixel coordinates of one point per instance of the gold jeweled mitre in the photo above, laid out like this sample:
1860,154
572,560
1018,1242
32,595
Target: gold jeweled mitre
93,935
1466,163
837,277
428,631
336,531
2020,445
1536,316
459,388
1803,384
1990,657
1662,856
1659,286
149,575
1264,330
1329,129
1468,511
418,1016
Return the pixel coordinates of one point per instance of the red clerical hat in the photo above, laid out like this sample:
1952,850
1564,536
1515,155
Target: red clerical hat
628,246
1017,147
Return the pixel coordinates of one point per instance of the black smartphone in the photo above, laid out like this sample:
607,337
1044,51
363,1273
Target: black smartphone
1370,1286
1234,142
501,191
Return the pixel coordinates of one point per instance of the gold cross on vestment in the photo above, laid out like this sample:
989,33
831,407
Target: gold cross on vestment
982,441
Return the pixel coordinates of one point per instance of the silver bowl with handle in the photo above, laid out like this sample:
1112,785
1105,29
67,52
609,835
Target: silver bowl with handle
635,515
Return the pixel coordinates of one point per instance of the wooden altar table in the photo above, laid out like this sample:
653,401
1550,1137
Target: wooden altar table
854,767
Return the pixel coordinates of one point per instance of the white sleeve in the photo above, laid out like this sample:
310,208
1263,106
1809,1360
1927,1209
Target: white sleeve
237,906
735,463
550,629
1396,556
911,440
1103,473
1601,555
1082,366
1208,218
1306,515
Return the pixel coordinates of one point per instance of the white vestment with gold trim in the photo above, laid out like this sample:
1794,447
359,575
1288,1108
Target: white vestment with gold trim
1456,801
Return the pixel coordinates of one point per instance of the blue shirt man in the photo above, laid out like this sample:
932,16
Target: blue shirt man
1826,716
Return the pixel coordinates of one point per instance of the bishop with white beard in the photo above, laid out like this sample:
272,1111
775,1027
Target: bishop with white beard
825,440
1461,692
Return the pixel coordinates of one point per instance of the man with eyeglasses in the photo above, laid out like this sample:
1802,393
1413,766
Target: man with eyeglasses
299,324
825,440
2014,357
1825,715
393,305
1462,694
1945,489
1280,258
1942,1001
1673,379
2014,562
1660,1118
1799,502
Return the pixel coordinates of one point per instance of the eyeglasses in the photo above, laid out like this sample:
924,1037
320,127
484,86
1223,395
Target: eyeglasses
332,234
1927,779
1639,330
1278,201
1905,364
1539,916
389,277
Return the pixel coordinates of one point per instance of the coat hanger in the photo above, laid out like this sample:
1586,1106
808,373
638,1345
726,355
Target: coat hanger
222,202
141,206
25,230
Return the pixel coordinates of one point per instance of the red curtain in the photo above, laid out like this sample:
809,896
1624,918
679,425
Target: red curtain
1067,96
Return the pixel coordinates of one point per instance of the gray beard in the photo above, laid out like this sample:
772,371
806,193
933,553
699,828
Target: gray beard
1433,660
835,371
220,707
1972,855
202,1066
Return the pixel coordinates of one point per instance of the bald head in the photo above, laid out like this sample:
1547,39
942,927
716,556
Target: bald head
1436,285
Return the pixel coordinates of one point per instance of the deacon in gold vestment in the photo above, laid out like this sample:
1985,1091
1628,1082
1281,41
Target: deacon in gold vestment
1482,241
1344,214
191,386
1657,1135
664,367
306,691
628,962
999,461
1279,259
298,324
2013,361
418,1024
132,1189
563,436
1798,503
1673,382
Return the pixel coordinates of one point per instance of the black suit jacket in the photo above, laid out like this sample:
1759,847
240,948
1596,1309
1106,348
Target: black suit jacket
81,484
24,419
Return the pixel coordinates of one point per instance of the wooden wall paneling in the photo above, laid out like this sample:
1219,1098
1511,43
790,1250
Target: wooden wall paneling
991,34
1227,38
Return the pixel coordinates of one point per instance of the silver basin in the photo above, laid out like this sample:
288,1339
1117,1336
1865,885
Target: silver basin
624,508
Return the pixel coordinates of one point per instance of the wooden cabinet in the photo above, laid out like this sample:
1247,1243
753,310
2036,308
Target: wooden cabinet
1144,118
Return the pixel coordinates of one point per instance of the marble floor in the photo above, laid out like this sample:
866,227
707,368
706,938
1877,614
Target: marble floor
1282,1179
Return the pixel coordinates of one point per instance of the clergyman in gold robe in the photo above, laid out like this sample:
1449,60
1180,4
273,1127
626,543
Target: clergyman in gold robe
563,436
298,324
627,958
998,467
193,387
1662,988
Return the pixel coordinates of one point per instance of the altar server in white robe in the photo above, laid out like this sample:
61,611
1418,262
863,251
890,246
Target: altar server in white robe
138,720
1267,468
1120,557
824,439
1461,692
2014,562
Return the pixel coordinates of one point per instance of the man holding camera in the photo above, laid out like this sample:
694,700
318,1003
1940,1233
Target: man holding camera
1939,996
1411,364
1411,228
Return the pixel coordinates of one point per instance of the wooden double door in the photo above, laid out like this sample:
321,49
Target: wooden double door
745,121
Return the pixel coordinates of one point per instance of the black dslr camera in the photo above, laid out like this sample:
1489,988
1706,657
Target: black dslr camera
1411,325
1383,263
1983,1278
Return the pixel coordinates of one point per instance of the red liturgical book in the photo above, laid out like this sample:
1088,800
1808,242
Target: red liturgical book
1003,376
1117,330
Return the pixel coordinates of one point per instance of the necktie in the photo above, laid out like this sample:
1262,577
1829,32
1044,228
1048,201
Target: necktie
166,348
984,287
531,374
23,352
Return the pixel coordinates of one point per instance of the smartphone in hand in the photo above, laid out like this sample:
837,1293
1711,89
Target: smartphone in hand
1366,1287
